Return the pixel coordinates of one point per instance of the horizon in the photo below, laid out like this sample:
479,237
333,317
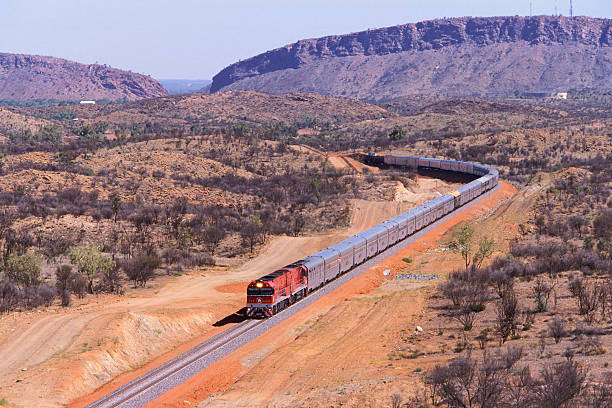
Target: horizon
187,40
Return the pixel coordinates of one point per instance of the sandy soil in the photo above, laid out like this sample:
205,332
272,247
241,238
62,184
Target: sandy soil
345,348
52,356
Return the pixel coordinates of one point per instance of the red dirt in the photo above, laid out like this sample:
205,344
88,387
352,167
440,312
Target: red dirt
239,287
227,371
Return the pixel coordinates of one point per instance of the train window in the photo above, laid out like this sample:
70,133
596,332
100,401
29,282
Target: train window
260,291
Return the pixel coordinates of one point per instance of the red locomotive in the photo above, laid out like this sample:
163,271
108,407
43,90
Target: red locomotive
272,293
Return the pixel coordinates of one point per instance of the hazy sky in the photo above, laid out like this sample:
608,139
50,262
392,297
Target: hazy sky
195,39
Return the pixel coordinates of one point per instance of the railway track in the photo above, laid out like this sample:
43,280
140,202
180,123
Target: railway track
156,382
156,376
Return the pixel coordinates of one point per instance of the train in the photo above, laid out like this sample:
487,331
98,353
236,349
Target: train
278,290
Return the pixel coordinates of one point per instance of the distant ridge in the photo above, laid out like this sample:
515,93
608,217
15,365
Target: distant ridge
457,56
24,77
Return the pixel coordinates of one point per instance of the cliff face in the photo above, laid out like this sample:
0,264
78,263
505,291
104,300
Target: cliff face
34,77
360,64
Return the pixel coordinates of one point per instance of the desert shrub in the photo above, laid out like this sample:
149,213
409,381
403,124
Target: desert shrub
111,281
396,401
497,381
66,299
10,295
63,274
465,382
78,285
507,316
602,225
90,262
196,259
598,395
24,269
590,346
541,291
141,268
503,281
40,295
556,328
466,317
464,292
57,243
588,296
454,290
560,384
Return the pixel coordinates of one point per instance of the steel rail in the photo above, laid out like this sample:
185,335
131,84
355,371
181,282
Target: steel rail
224,338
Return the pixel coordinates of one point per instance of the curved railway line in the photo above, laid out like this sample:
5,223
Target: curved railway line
156,382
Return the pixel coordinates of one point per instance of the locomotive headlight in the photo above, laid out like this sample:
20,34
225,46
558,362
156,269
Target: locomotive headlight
259,285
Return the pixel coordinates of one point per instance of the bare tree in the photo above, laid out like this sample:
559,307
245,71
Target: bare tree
503,282
556,328
507,316
212,236
588,296
561,383
396,400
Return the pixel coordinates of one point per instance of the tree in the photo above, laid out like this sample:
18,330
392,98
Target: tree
576,222
24,269
463,242
212,236
7,218
91,262
485,250
63,275
115,200
507,316
540,222
250,233
57,244
50,134
602,225
397,133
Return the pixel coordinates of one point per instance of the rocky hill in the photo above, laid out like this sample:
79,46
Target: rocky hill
459,56
219,109
24,77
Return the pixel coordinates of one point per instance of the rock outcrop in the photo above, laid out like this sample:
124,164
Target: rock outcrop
458,56
24,77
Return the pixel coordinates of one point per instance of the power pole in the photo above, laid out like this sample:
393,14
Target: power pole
556,8
571,8
530,8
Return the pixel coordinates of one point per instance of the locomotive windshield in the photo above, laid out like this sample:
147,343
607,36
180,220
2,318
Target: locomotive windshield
260,291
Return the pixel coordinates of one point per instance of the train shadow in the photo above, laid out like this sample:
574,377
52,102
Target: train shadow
238,316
